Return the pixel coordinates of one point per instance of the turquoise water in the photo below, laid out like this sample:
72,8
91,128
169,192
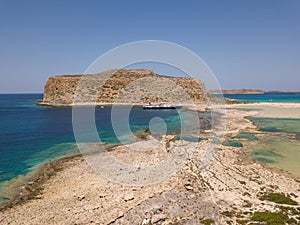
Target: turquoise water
266,156
246,135
278,145
267,97
233,143
32,134
290,125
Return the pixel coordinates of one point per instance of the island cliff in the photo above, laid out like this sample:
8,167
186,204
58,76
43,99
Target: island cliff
122,86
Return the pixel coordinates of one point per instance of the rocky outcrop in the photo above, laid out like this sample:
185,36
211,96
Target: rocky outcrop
122,86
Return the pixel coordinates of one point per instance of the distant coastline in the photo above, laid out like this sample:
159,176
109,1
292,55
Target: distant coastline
251,91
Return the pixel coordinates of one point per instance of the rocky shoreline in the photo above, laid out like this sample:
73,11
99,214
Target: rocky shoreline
232,189
30,186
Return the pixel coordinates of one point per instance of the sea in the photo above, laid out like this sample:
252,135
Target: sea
266,97
31,134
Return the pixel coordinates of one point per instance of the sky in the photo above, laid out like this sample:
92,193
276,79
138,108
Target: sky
246,43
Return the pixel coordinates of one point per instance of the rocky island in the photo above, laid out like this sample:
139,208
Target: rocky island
122,86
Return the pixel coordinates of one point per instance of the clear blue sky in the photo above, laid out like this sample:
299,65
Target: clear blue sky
247,44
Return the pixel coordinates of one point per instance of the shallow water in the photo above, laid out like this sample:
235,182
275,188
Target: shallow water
289,125
247,135
233,143
277,146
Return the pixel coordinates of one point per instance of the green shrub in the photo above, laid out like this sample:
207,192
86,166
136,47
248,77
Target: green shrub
228,213
242,221
278,198
271,218
207,221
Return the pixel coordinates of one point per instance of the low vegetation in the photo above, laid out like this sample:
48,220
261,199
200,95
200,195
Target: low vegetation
281,216
207,221
271,218
278,198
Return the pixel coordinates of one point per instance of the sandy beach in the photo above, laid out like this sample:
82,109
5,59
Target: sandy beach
228,190
272,110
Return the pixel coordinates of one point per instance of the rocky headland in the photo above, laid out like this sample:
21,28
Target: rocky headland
123,87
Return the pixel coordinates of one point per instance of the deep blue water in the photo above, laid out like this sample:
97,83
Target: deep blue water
27,131
267,97
32,134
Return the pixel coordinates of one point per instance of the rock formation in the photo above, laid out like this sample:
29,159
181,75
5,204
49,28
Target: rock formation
122,86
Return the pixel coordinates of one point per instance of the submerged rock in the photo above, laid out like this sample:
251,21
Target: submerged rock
143,134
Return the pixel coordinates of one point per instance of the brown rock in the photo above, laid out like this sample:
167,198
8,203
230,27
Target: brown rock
128,197
158,218
125,86
81,197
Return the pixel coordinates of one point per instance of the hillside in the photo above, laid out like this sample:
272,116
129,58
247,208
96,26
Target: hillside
122,86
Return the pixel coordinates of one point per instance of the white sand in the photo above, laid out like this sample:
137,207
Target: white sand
272,110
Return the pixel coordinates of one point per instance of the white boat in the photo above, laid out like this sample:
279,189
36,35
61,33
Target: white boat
159,106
